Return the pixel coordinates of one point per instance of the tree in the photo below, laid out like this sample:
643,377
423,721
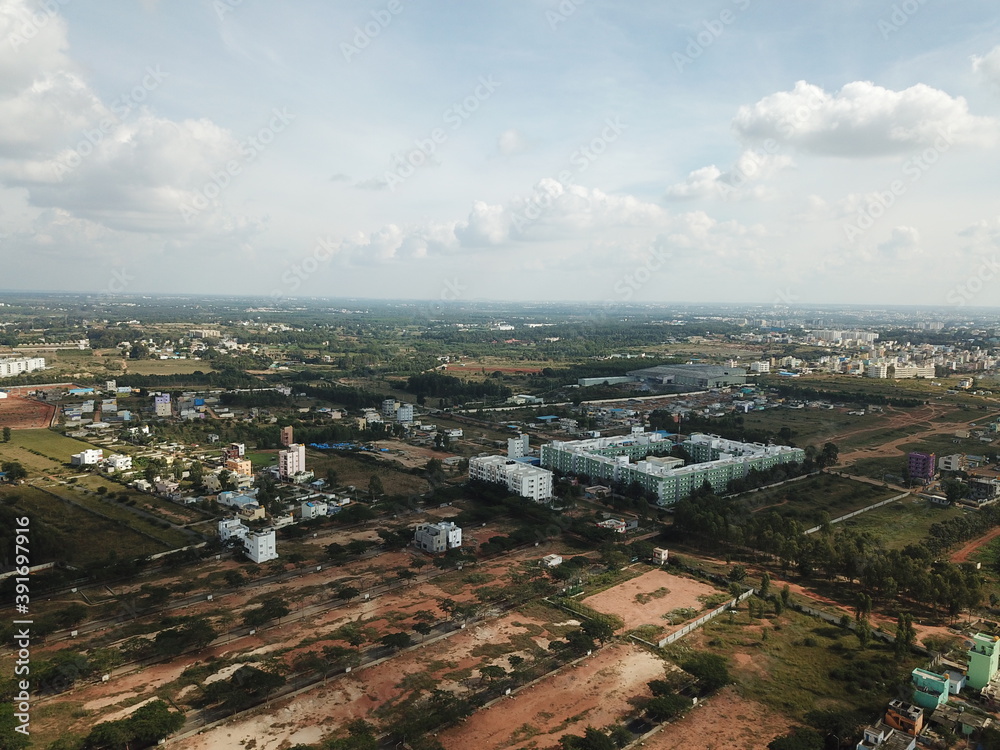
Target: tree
906,636
6,434
424,628
492,672
620,735
396,641
666,707
346,593
710,669
598,629
765,585
14,471
375,488
272,607
863,630
144,728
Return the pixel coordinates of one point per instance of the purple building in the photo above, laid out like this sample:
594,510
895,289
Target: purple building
921,467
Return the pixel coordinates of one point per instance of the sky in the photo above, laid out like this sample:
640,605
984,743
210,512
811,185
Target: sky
651,151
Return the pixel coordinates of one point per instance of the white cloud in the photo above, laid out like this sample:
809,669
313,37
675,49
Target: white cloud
903,243
752,166
861,119
511,142
988,66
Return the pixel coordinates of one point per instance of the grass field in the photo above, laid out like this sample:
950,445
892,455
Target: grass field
356,470
25,445
877,437
790,663
74,535
902,523
807,500
809,426
878,468
167,366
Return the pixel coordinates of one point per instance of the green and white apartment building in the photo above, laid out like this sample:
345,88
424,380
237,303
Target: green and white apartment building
628,459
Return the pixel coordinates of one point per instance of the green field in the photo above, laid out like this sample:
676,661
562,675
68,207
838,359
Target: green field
798,663
71,534
809,499
167,366
809,426
25,445
906,522
357,470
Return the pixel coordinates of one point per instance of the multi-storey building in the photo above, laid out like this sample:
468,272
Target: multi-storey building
523,479
10,368
718,461
291,461
437,537
921,466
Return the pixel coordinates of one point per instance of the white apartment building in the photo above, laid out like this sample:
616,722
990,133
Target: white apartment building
954,462
404,414
87,457
119,462
291,461
437,537
760,367
518,447
389,408
520,478
10,368
877,370
260,545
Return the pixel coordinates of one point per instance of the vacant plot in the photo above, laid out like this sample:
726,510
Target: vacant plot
594,693
25,413
357,469
166,366
906,522
646,600
726,721
807,500
61,531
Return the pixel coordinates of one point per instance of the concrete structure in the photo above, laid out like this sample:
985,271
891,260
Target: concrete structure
521,479
240,466
389,408
660,555
437,537
404,414
760,367
921,466
692,376
881,736
983,490
161,405
615,524
930,690
313,509
118,462
260,545
904,717
719,461
552,561
291,461
518,447
877,370
954,462
902,372
10,368
983,660
88,457
287,435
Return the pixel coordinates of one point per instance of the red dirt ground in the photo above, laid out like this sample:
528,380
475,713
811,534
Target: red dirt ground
725,721
621,599
594,693
25,413
963,553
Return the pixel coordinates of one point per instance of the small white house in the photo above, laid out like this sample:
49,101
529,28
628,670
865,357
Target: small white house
87,457
552,561
313,509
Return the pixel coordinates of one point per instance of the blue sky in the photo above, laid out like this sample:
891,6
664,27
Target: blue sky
532,149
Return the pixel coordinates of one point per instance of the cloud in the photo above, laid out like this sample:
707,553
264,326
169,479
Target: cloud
112,163
861,120
735,184
511,142
988,66
903,243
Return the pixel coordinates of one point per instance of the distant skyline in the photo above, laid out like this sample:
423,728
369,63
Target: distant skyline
656,152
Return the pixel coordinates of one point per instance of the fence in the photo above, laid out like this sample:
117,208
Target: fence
691,626
814,529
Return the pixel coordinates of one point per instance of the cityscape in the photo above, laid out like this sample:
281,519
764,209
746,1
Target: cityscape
543,375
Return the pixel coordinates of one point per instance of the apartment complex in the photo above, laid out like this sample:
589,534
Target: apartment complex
521,478
628,459
291,461
437,537
10,368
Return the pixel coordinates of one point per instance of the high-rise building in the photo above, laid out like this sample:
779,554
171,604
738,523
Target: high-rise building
517,447
287,435
921,466
984,657
161,404
291,461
